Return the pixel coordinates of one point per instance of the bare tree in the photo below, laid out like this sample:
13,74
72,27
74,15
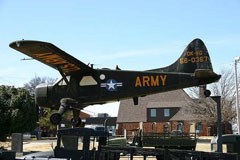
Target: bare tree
226,89
32,84
206,108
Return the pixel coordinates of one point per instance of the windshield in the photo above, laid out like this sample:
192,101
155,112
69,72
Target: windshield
61,81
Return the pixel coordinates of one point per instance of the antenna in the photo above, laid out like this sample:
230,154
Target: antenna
24,59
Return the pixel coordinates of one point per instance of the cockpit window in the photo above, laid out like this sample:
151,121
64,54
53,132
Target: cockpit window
62,82
88,81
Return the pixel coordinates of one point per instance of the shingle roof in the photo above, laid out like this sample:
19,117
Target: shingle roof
128,112
182,115
186,113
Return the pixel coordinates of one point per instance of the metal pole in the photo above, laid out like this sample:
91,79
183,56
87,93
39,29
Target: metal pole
236,88
219,119
217,99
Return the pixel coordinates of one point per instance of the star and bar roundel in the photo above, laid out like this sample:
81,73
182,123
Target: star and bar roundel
111,85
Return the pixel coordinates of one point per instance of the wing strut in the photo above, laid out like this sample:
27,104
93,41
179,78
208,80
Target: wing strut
67,82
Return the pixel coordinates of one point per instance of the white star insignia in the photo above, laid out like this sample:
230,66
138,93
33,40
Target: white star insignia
111,85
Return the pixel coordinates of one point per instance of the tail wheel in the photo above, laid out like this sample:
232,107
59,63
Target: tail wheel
207,93
55,118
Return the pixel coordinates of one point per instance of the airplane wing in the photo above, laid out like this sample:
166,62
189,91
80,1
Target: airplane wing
49,54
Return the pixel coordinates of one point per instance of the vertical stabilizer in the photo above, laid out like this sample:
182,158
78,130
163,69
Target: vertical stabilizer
194,57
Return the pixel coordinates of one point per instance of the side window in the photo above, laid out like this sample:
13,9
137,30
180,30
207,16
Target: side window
87,81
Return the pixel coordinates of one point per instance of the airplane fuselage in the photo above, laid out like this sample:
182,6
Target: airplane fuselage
106,85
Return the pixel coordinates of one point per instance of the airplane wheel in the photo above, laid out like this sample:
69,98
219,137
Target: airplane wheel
55,118
207,93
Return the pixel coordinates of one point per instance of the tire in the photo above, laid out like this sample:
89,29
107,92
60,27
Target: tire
55,118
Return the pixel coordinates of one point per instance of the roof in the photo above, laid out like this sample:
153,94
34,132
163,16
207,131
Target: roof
182,115
186,113
128,112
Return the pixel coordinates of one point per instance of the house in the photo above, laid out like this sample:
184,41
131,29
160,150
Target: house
163,112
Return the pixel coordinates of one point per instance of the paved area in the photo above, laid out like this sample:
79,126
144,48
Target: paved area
40,145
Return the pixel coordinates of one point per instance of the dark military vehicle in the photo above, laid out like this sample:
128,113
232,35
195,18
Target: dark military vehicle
231,141
174,140
75,144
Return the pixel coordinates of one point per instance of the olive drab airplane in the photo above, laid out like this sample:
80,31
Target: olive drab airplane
82,85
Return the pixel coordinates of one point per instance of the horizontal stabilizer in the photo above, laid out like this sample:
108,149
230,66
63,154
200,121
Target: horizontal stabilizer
205,73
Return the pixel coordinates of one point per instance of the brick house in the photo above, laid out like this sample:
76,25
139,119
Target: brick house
163,112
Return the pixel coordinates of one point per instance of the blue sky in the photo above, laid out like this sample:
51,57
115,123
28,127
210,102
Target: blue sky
136,34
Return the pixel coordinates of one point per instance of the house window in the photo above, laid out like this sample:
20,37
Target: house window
153,113
165,128
199,128
180,126
166,113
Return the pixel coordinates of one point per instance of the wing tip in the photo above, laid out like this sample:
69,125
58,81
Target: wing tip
19,43
15,44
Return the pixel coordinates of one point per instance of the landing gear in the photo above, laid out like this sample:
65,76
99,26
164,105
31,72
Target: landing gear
76,123
66,103
207,93
76,120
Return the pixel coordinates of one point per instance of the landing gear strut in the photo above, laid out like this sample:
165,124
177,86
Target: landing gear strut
76,120
66,103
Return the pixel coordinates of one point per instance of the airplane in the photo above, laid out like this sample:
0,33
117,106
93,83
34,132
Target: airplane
82,85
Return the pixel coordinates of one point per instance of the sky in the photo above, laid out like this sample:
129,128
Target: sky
136,34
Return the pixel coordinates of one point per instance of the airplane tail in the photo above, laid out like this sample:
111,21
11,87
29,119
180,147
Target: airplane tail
195,57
